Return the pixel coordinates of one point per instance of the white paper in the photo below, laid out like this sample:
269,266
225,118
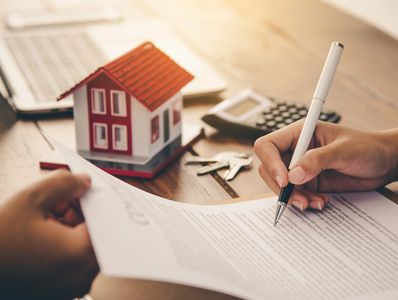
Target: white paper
348,251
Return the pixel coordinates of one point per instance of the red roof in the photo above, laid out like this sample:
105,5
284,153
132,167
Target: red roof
146,73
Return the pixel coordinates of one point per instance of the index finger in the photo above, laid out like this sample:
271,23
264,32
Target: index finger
272,145
269,150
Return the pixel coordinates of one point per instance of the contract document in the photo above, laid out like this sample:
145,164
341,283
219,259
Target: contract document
347,251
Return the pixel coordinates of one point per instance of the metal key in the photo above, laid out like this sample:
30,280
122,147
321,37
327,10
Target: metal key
199,160
223,161
213,167
235,165
217,158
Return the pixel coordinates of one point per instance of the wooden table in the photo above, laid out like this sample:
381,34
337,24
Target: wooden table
277,47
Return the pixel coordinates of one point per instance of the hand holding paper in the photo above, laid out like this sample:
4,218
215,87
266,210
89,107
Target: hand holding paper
45,247
234,248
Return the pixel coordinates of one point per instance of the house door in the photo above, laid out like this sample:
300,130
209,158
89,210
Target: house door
110,121
166,125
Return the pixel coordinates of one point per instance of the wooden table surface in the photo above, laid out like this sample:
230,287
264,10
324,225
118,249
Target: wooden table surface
277,47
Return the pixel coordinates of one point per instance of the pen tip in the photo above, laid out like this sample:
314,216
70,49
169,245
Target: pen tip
279,211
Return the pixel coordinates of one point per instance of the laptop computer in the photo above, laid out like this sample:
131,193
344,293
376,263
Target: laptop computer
38,65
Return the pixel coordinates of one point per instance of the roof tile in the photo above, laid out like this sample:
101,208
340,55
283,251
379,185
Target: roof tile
146,73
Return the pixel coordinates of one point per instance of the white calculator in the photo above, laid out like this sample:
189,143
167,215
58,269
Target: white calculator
251,114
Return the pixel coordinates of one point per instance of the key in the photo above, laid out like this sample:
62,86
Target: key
199,159
213,167
235,165
223,159
216,158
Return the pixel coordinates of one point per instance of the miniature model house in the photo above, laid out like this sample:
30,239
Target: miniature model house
130,109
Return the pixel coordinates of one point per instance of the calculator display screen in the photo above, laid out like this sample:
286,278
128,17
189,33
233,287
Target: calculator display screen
242,107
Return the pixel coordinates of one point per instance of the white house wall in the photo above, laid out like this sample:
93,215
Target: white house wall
141,124
140,131
80,115
175,130
141,120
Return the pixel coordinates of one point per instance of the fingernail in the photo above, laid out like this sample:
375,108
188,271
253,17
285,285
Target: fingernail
316,205
278,179
86,179
298,204
297,175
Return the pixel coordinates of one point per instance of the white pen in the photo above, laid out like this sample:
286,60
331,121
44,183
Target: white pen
319,98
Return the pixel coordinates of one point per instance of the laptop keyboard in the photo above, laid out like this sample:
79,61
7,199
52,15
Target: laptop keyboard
54,62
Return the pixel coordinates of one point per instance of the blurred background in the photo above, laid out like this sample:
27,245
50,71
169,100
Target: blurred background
382,14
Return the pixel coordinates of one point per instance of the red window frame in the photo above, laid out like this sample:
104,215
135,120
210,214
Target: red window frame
155,131
121,97
114,136
94,108
95,142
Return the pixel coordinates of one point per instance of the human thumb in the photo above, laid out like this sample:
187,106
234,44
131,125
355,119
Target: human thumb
59,186
312,163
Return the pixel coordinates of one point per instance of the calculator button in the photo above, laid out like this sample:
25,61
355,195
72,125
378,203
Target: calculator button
329,115
282,108
267,111
296,117
278,119
323,117
271,124
260,122
293,110
276,112
285,114
289,121
269,117
302,112
280,125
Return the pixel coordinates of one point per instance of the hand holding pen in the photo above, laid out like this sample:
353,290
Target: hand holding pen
339,159
311,120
